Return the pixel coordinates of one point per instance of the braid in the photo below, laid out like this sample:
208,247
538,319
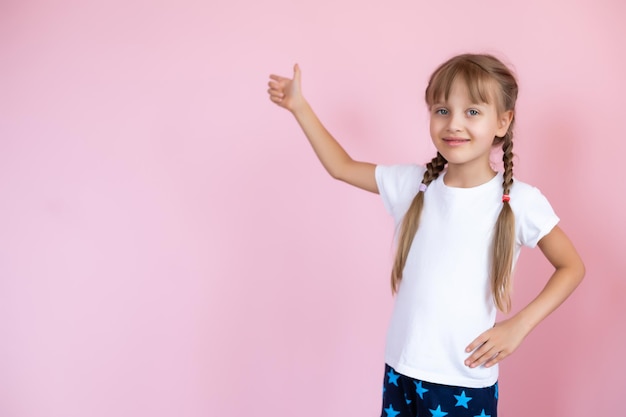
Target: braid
507,159
410,222
434,168
504,235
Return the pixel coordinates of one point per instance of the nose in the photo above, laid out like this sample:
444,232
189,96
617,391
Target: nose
455,122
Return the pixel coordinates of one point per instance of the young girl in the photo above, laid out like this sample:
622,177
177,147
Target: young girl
460,229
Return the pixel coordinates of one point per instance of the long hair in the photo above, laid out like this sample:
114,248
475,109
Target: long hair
480,73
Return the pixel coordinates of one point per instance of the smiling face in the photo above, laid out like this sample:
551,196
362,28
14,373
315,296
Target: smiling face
464,129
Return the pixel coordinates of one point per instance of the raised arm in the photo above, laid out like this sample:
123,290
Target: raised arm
287,93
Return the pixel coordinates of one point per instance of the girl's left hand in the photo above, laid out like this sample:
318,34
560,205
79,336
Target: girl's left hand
495,344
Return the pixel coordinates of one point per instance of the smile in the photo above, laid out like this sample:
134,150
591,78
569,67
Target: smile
455,141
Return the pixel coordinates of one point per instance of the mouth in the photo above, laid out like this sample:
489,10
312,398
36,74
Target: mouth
455,141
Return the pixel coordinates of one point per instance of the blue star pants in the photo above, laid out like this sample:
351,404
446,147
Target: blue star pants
408,397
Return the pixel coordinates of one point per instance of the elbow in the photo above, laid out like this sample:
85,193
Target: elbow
335,173
582,270
577,272
338,171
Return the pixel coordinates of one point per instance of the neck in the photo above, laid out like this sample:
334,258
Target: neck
467,177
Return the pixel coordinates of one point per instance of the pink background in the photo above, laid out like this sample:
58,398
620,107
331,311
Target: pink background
170,246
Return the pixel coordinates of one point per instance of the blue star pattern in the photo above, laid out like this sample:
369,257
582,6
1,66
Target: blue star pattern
462,400
420,389
391,412
438,412
435,400
393,377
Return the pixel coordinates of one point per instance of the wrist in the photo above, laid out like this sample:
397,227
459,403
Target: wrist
524,322
299,108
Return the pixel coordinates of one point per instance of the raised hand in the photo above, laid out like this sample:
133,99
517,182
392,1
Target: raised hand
286,92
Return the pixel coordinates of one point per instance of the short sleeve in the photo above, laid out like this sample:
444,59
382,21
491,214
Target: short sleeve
535,217
397,186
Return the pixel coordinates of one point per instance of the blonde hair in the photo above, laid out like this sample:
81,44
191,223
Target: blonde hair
480,73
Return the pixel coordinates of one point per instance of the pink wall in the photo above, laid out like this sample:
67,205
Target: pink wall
171,247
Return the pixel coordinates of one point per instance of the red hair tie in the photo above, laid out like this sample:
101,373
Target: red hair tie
505,198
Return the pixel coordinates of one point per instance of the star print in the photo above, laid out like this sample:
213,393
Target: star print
496,390
462,400
393,377
438,412
419,389
406,399
482,414
391,412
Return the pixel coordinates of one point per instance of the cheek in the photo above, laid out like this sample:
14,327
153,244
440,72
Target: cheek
486,128
433,129
435,123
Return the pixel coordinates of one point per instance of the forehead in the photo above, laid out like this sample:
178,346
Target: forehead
461,90
478,86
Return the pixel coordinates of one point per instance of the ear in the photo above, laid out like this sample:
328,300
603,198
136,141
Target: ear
504,122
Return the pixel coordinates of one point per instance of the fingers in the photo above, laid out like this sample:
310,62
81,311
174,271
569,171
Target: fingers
276,95
296,75
275,85
486,355
276,91
285,91
278,77
495,344
484,350
495,359
479,341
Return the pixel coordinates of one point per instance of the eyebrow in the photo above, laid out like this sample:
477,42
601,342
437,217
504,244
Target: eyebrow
443,103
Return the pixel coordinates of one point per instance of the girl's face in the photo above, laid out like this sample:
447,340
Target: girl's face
464,131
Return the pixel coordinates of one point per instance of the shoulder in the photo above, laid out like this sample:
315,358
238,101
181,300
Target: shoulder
523,193
534,215
401,173
398,184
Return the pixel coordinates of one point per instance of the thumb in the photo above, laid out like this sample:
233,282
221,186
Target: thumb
296,73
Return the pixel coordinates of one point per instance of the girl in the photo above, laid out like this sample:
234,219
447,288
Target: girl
460,229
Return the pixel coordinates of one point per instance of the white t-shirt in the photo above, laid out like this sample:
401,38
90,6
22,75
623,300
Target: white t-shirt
444,300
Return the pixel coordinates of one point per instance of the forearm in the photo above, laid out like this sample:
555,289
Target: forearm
286,93
560,286
503,339
330,153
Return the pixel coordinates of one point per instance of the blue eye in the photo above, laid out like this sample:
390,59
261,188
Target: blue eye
442,112
472,112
